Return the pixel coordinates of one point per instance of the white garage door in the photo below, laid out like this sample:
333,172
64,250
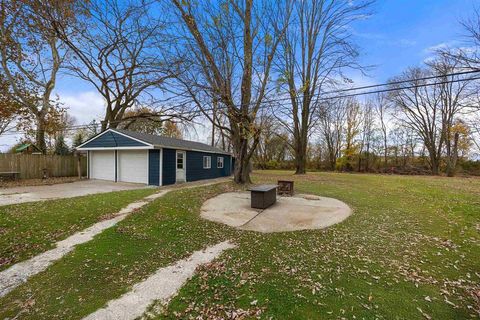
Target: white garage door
102,165
133,166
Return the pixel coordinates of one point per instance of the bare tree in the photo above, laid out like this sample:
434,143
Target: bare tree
272,146
332,115
318,46
120,49
367,136
230,47
353,123
31,56
475,131
468,55
381,106
455,98
419,106
220,137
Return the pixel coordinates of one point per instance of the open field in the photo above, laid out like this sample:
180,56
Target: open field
411,250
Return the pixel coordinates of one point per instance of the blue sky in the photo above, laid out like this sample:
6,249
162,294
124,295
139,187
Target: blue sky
397,35
400,33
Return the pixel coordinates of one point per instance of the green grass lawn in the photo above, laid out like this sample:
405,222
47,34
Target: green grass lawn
411,250
31,228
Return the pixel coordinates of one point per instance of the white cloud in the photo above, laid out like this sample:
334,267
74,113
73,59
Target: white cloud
404,43
84,106
440,46
454,46
381,38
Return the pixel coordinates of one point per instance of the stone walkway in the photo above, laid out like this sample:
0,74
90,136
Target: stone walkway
161,286
22,271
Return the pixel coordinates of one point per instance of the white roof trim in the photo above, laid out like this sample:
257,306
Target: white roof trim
147,145
92,138
80,147
117,148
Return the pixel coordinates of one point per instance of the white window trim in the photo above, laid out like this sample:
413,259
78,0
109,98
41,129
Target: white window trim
221,162
209,162
183,159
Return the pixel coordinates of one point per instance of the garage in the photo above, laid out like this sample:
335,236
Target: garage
133,166
102,165
135,157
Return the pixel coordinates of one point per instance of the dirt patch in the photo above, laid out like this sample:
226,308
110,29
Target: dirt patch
36,182
300,212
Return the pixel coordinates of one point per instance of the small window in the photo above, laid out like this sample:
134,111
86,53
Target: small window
180,160
219,162
207,162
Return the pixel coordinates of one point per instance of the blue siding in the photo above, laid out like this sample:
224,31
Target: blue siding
154,167
169,166
195,170
113,139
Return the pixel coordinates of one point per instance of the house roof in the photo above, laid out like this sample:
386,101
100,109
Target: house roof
167,142
24,146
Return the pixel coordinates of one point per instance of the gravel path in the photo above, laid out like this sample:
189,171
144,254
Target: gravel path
22,271
162,285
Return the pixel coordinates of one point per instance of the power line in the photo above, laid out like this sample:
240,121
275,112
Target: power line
382,85
96,125
363,87
90,126
409,80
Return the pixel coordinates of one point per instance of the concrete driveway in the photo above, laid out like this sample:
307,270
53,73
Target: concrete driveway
62,190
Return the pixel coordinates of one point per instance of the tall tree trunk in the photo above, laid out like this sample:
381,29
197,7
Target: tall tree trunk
40,132
385,155
452,158
214,116
300,156
241,171
434,165
299,163
367,159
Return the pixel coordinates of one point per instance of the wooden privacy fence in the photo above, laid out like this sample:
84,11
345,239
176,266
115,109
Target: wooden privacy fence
30,166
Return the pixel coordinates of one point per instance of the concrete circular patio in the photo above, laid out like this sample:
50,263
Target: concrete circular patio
299,212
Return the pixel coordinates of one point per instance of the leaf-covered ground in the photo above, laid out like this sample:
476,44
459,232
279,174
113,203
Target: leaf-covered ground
31,228
411,250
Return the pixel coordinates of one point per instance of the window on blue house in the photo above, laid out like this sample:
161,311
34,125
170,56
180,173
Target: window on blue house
207,162
180,160
219,162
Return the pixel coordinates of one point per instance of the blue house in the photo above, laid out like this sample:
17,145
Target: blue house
127,156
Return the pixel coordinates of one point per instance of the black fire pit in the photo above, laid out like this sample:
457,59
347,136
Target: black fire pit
285,188
263,196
